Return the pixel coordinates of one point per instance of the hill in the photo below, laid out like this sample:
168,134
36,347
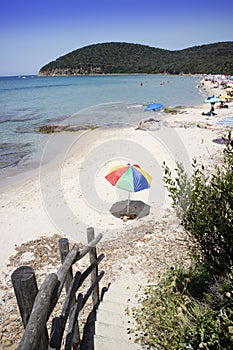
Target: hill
118,57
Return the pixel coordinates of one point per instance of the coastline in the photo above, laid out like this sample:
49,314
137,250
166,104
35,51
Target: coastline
32,207
104,102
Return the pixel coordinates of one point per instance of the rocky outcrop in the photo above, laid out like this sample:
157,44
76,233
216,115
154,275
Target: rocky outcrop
52,128
71,71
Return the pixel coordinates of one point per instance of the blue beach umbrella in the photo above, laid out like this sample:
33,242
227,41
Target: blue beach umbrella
153,107
212,99
226,121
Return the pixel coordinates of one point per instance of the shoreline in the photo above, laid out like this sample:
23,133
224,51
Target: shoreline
113,74
28,168
26,155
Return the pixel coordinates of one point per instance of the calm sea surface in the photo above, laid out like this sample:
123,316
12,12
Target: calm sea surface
27,102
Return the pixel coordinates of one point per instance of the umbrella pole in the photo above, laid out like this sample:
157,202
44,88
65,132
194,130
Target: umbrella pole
127,210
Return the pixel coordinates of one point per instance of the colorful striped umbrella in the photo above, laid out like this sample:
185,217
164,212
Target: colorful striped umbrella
130,178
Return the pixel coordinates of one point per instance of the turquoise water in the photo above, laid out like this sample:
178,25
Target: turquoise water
27,102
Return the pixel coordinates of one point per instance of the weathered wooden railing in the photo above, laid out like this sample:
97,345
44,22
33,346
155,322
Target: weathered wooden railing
36,305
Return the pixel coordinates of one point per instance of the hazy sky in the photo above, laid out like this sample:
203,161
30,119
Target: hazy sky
35,32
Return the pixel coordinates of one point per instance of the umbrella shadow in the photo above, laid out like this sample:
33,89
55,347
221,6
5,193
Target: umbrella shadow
137,209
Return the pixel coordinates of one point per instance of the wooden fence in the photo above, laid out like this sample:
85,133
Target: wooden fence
36,305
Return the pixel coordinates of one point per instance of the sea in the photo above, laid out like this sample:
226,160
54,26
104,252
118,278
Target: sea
28,102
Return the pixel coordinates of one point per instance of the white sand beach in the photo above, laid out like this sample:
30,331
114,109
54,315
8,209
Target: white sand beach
71,193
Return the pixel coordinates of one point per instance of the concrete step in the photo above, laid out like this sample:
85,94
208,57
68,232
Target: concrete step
115,318
112,326
122,298
112,306
104,343
112,331
132,283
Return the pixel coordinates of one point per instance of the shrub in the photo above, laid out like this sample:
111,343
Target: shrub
205,205
170,318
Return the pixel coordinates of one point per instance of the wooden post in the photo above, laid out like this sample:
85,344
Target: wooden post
64,250
65,267
39,316
25,287
87,247
94,273
70,341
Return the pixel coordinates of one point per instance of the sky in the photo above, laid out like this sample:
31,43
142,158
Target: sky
36,32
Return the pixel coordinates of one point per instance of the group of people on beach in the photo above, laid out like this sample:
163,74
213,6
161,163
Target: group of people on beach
223,104
224,83
212,105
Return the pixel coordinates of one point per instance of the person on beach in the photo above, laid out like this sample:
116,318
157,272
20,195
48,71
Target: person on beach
222,105
212,109
211,112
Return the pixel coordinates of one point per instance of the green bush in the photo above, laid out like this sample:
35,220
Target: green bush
205,205
170,318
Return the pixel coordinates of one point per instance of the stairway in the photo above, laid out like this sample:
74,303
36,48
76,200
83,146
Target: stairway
112,326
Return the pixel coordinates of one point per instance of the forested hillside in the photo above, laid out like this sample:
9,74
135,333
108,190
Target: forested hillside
118,57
